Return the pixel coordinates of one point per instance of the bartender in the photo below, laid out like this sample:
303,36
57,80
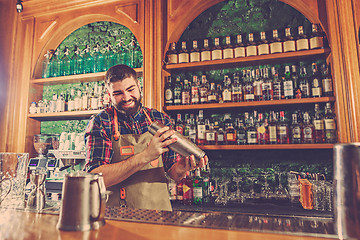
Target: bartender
133,161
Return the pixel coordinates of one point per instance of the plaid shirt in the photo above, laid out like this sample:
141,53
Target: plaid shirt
100,129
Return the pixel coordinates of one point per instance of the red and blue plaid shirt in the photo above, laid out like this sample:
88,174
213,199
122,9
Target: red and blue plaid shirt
100,129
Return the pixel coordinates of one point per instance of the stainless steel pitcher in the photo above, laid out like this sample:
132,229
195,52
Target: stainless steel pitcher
347,190
83,202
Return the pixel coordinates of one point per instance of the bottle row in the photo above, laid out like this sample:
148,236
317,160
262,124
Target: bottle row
263,83
88,60
262,43
260,128
85,97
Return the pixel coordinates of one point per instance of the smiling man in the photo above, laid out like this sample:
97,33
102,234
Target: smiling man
133,161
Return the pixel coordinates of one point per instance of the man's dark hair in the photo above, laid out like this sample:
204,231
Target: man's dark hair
119,73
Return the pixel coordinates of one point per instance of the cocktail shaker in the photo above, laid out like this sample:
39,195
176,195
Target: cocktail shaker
183,146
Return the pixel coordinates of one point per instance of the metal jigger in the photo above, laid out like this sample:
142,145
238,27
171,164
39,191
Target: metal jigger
36,198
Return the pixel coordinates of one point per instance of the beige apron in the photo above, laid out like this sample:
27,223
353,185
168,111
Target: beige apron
145,189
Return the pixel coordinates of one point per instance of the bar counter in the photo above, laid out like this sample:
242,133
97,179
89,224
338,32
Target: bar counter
124,223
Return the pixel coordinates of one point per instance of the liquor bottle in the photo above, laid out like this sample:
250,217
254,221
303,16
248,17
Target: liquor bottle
46,66
89,60
240,132
289,41
272,129
179,124
195,52
66,63
85,97
172,190
228,50
276,45
185,93
216,50
248,88
172,55
282,130
239,49
52,103
183,55
288,84
219,92
227,91
251,48
205,174
220,136
177,92
94,98
304,84
169,95
262,130
55,65
200,140
330,125
263,46
210,135
212,94
302,41
326,80
71,100
204,89
296,130
295,80
251,132
195,94
205,52
77,100
267,86
60,103
186,126
99,60
188,192
277,85
230,132
316,89
179,191
77,61
316,38
198,187
308,130
192,129
236,89
318,122
257,82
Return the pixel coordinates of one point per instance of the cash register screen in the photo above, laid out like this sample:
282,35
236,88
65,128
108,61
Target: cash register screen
51,163
33,162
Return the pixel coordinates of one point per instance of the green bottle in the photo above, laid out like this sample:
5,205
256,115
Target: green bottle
198,188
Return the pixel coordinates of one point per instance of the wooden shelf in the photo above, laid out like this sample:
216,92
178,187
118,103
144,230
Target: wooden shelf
76,115
267,146
248,61
250,104
89,77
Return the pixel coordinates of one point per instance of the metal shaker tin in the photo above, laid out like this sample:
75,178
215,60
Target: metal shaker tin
183,146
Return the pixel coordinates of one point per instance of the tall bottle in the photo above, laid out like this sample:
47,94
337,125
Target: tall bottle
198,184
65,63
216,50
205,51
240,132
55,64
169,94
183,55
192,129
326,80
236,89
239,49
318,122
195,52
282,129
330,124
85,97
185,93
99,60
195,92
308,130
172,56
205,174
257,84
267,86
273,136
262,130
179,124
316,88
304,84
200,140
251,48
288,84
276,45
263,46
77,61
228,49
227,91
289,41
46,67
302,41
296,130
248,88
251,132
88,60
177,91
121,55
204,89
230,132
277,85
316,38
188,189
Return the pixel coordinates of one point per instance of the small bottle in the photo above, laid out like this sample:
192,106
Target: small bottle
304,84
227,91
177,91
212,95
198,187
330,124
289,41
71,100
318,122
263,46
179,192
230,133
326,81
277,85
200,140
267,86
316,89
183,55
169,94
228,50
195,93
251,48
188,189
295,129
185,93
282,130
216,51
272,129
204,89
288,84
302,41
236,89
172,55
210,135
220,136
276,45
205,51
308,130
195,52
239,49
316,38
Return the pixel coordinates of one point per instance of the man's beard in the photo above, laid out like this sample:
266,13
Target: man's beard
129,111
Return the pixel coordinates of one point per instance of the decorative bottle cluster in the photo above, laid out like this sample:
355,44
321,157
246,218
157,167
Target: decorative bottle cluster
260,43
263,83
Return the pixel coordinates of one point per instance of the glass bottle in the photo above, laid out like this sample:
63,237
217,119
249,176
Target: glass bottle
330,124
195,52
179,191
210,135
316,88
326,81
216,50
316,38
46,66
198,187
251,132
65,63
219,92
239,49
85,97
277,85
71,100
188,189
177,91
236,89
77,100
263,46
228,50
248,88
179,124
267,86
282,129
251,48
171,54
295,129
289,41
318,122
204,89
240,132
200,140
205,51
192,129
185,93
55,64
227,91
120,55
302,41
88,61
183,55
276,43
308,130
212,95
169,94
220,136
304,84
262,130
230,132
110,57
288,84
195,94
272,129
77,61
257,82
99,60
295,80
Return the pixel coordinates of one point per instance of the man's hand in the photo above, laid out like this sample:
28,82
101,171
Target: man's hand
189,163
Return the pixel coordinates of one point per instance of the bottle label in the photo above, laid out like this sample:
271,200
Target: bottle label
257,88
198,192
216,54
220,138
305,89
261,129
302,44
183,57
228,53
329,124
263,49
296,133
239,52
272,133
308,133
251,136
249,97
282,130
201,132
266,86
276,47
316,42
185,98
289,46
316,91
211,98
210,136
195,57
327,85
168,96
230,136
288,88
226,95
319,124
205,56
251,51
172,59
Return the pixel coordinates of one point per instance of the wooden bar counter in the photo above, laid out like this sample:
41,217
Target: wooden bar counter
23,225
